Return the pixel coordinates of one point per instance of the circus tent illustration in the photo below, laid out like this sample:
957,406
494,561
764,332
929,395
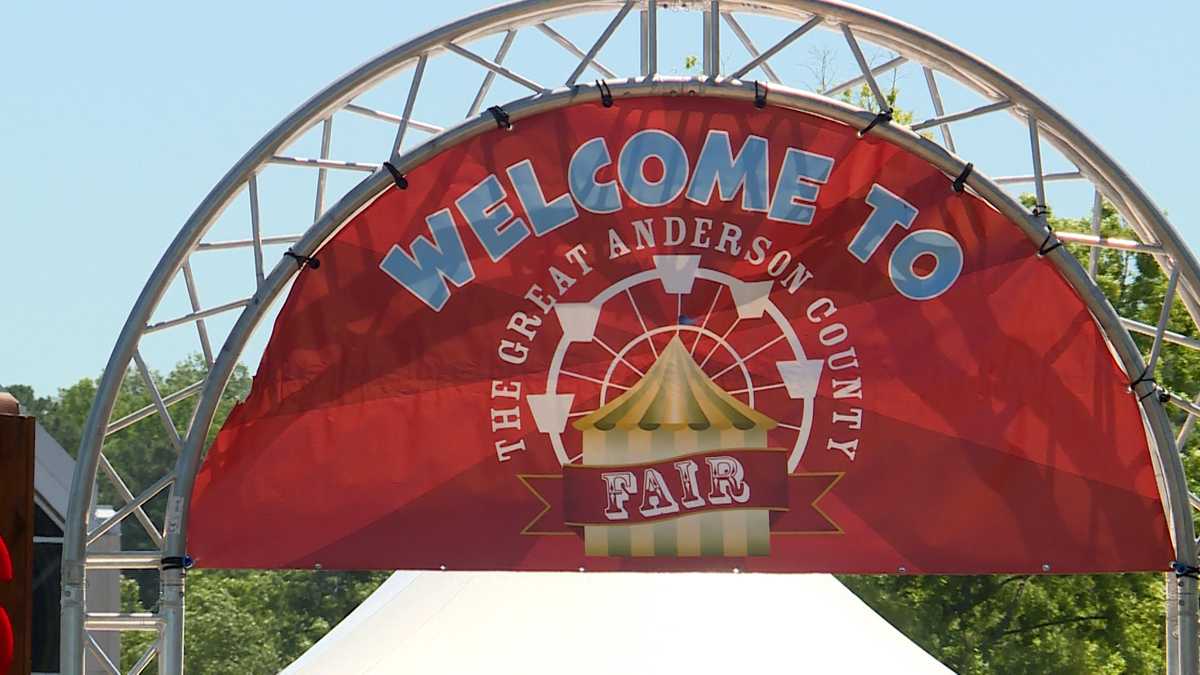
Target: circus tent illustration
675,410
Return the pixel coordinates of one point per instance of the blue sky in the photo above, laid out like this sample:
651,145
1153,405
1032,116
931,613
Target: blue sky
119,117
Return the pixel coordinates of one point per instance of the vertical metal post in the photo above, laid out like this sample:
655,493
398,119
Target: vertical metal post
712,39
644,26
170,659
1171,642
70,644
652,37
1189,658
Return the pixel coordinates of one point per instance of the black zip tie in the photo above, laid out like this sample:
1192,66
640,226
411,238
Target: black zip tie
501,117
302,260
1043,250
1183,569
397,177
1040,210
1144,377
176,562
960,183
884,116
760,94
605,94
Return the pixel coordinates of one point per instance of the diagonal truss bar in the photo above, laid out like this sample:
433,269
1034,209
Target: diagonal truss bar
578,53
943,120
143,413
600,42
490,77
256,231
876,71
744,38
1046,178
316,163
1192,410
145,659
1164,317
761,59
98,654
497,68
196,316
159,404
372,113
1098,242
201,329
936,97
1185,431
132,505
247,243
127,496
409,103
326,140
1094,253
867,75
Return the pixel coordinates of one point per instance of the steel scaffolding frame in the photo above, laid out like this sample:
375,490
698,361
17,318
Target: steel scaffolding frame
907,44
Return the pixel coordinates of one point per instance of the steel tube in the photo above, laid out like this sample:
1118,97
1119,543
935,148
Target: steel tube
855,81
124,560
946,120
1098,242
395,119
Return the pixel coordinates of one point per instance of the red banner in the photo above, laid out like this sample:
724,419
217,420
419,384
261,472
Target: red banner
661,308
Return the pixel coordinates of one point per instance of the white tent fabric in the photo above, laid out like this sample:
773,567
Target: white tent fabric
533,623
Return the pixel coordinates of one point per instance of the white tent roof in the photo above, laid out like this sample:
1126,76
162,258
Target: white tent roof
532,623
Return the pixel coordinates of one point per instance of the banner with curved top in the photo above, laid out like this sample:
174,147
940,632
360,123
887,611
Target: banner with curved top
682,334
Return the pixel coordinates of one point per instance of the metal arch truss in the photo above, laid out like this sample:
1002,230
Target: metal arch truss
903,45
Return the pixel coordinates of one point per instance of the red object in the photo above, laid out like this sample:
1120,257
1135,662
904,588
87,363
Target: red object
6,628
984,429
16,542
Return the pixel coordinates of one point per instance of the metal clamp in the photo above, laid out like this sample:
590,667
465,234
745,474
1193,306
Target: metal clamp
1183,569
1047,245
302,260
501,117
1154,389
606,98
960,183
176,562
883,116
397,177
760,94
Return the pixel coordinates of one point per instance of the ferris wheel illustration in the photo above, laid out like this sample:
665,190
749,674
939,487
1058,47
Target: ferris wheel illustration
731,328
